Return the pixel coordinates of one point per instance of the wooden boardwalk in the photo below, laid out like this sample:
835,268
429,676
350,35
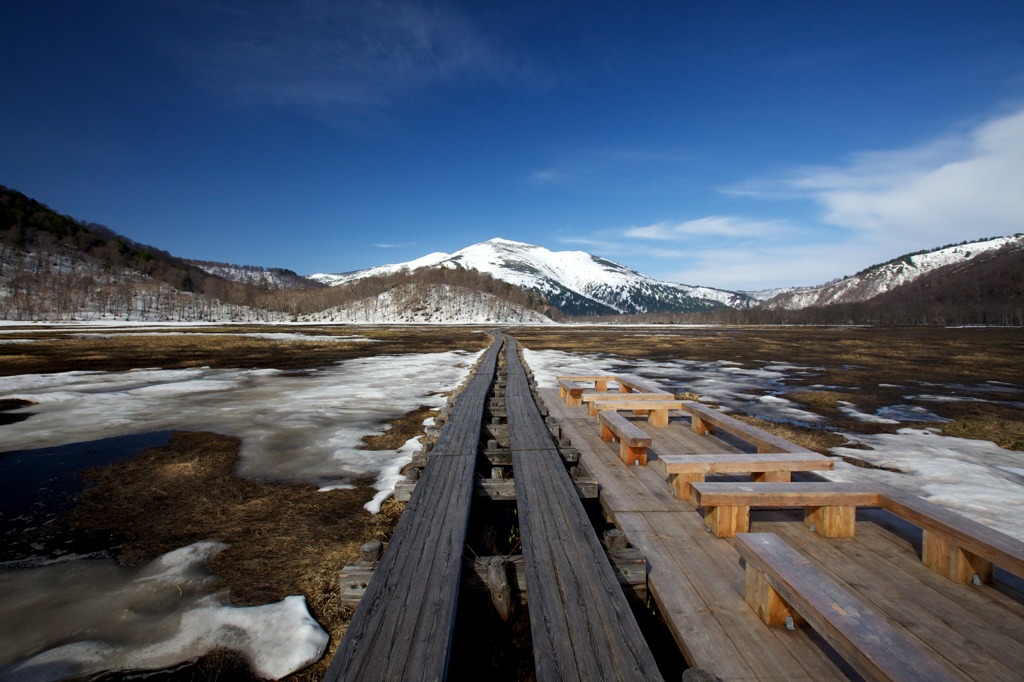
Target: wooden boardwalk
403,627
698,581
580,621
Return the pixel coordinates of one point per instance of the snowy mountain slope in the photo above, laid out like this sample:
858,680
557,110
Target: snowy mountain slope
266,278
575,281
434,304
885,277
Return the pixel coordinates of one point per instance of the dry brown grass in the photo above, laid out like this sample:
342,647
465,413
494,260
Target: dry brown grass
213,347
290,539
284,538
870,367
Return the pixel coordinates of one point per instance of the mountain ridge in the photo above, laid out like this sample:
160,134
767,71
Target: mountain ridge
576,282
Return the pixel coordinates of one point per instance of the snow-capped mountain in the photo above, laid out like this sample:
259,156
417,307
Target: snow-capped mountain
429,304
879,279
575,281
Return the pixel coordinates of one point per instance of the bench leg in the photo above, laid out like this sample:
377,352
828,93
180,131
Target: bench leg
658,418
606,434
592,409
770,476
680,484
941,554
726,521
575,399
831,522
698,425
630,455
601,385
765,600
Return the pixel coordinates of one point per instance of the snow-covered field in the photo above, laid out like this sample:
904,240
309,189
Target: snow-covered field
308,426
973,477
90,615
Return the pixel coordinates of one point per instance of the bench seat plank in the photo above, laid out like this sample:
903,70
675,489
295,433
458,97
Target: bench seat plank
685,470
791,583
706,419
953,545
657,410
633,441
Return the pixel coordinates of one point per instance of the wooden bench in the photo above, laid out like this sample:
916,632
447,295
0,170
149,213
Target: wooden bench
706,419
655,410
600,381
571,391
782,585
631,384
952,545
685,470
633,441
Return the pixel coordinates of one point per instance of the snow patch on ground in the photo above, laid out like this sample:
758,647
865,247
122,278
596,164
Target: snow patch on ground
976,478
967,476
294,426
106,617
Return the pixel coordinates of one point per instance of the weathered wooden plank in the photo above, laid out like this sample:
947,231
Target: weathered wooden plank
685,470
979,632
706,419
403,626
866,639
959,542
581,624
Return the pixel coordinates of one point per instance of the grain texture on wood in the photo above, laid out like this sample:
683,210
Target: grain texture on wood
403,626
786,580
581,623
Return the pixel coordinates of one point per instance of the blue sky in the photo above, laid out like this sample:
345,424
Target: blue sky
742,145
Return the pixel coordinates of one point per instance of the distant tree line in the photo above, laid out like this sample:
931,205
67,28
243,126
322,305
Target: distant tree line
53,266
56,267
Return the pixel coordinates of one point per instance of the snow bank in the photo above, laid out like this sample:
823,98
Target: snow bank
88,617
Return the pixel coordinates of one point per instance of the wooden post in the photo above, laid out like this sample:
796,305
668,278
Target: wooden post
614,539
632,455
698,425
681,485
726,521
764,599
501,591
601,385
832,521
658,418
370,552
942,554
770,476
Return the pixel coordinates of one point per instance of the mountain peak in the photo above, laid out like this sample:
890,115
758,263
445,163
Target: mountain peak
575,281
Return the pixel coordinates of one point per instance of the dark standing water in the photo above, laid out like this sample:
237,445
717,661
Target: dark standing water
38,486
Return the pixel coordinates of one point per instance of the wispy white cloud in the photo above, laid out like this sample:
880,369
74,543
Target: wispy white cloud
547,176
324,54
402,245
876,206
717,225
961,186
